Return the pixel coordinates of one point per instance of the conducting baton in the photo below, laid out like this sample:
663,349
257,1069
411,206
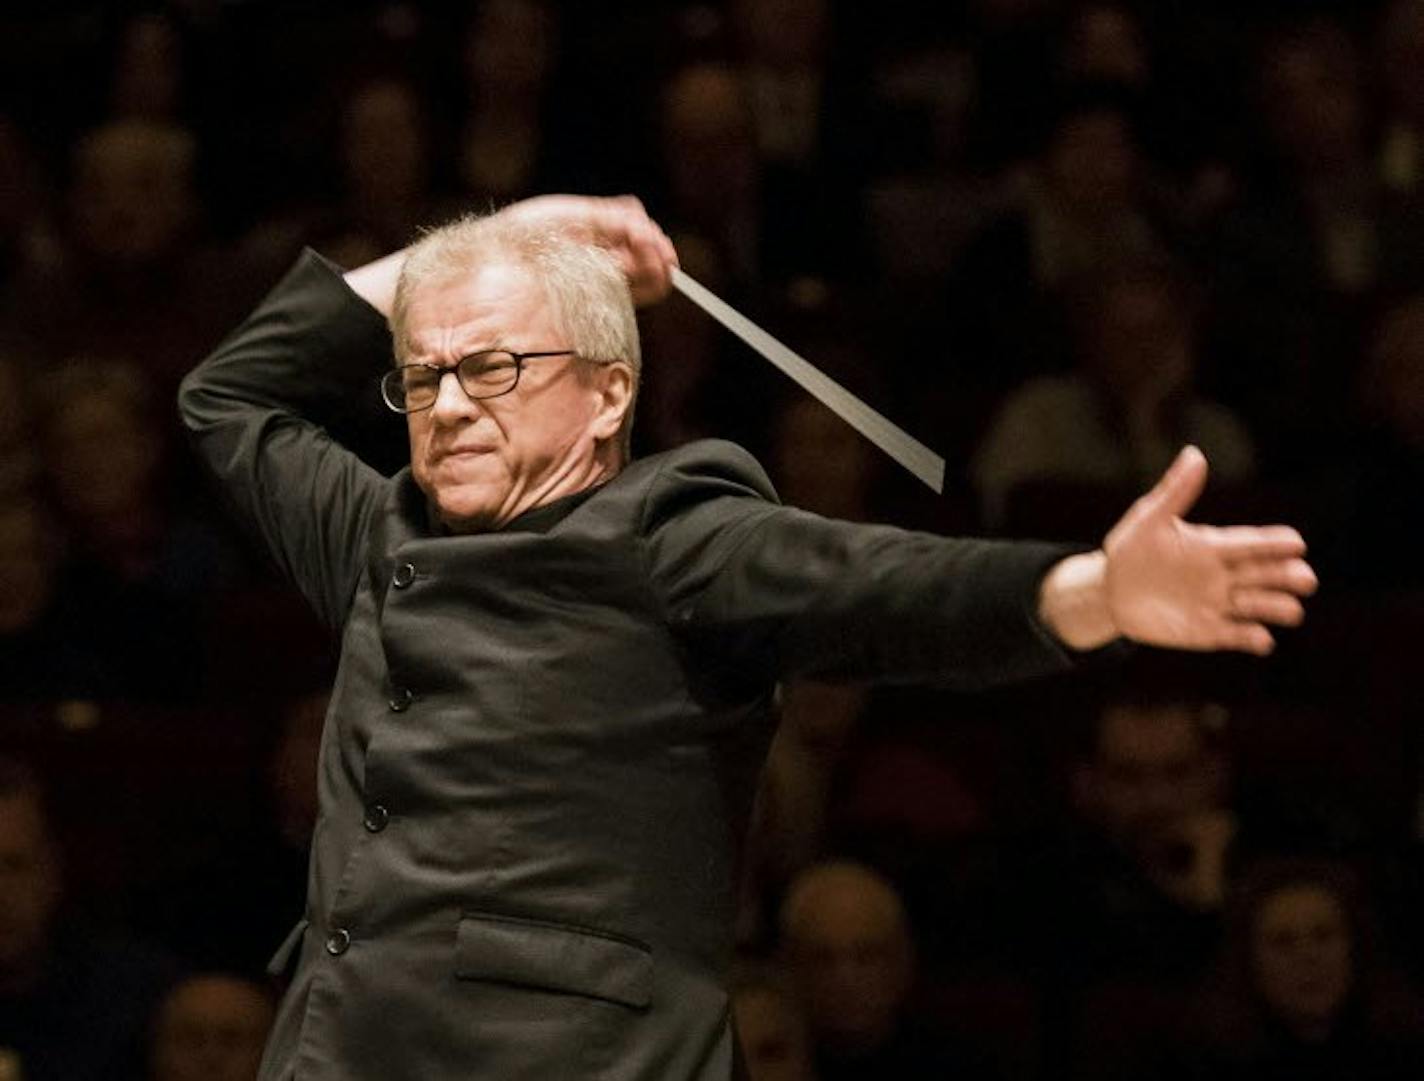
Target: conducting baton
889,437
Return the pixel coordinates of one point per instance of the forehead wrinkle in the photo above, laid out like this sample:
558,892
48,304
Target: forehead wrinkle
449,345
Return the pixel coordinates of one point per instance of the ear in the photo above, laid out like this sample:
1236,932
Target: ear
614,388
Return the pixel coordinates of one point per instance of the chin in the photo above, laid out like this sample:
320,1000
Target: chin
466,515
464,505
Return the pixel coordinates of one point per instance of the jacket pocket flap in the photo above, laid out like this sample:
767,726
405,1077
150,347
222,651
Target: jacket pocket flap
554,957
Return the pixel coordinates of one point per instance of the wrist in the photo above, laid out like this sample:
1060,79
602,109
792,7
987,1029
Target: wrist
1073,601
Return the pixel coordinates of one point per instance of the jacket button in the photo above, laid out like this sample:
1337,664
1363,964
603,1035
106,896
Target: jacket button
401,699
404,575
338,941
376,818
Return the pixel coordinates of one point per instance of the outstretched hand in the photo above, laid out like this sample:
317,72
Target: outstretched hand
619,224
1164,581
1172,583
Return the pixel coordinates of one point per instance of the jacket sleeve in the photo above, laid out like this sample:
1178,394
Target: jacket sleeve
256,409
763,591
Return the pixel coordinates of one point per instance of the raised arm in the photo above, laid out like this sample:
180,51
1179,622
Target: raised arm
257,409
1164,581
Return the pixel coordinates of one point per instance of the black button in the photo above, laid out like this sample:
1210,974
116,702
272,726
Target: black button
401,699
376,818
338,941
403,576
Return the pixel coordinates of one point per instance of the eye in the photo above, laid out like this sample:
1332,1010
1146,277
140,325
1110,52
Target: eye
498,364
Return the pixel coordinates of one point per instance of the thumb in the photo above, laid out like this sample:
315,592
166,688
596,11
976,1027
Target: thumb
1175,493
1181,486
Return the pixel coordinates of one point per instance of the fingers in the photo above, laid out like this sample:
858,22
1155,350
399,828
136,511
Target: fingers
1267,606
1244,638
644,251
1290,575
1241,543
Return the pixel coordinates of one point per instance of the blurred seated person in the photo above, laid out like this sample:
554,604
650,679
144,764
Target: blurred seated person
1123,914
506,149
134,272
690,390
139,570
711,169
378,188
38,660
1133,888
1303,991
385,189
149,74
1314,239
1114,421
212,1026
205,886
1085,203
803,114
74,1005
1400,54
771,1030
1369,520
791,809
849,947
820,463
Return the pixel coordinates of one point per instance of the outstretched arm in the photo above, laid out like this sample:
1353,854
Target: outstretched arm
618,223
1163,581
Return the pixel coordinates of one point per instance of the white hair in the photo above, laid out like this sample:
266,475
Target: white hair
581,281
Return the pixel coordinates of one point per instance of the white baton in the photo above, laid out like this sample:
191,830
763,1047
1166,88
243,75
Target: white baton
888,436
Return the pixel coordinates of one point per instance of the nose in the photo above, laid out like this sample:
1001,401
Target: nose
452,404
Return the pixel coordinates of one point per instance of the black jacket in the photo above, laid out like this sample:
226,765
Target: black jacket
543,740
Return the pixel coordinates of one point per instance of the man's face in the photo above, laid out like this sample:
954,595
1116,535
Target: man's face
483,463
29,882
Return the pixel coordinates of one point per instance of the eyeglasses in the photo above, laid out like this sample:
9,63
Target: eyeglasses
488,374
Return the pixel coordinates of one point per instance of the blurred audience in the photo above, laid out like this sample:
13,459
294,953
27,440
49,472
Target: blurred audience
980,217
38,660
253,883
1314,235
19,464
136,564
1399,51
850,950
1082,206
1108,429
509,61
1303,991
769,1024
149,75
1368,514
75,1004
789,817
211,1027
711,168
133,274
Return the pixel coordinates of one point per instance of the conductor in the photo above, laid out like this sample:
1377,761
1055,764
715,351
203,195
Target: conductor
557,665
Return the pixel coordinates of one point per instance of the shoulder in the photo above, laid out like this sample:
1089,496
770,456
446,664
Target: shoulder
711,466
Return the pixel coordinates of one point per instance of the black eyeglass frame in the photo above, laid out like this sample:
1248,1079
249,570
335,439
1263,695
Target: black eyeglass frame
394,378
